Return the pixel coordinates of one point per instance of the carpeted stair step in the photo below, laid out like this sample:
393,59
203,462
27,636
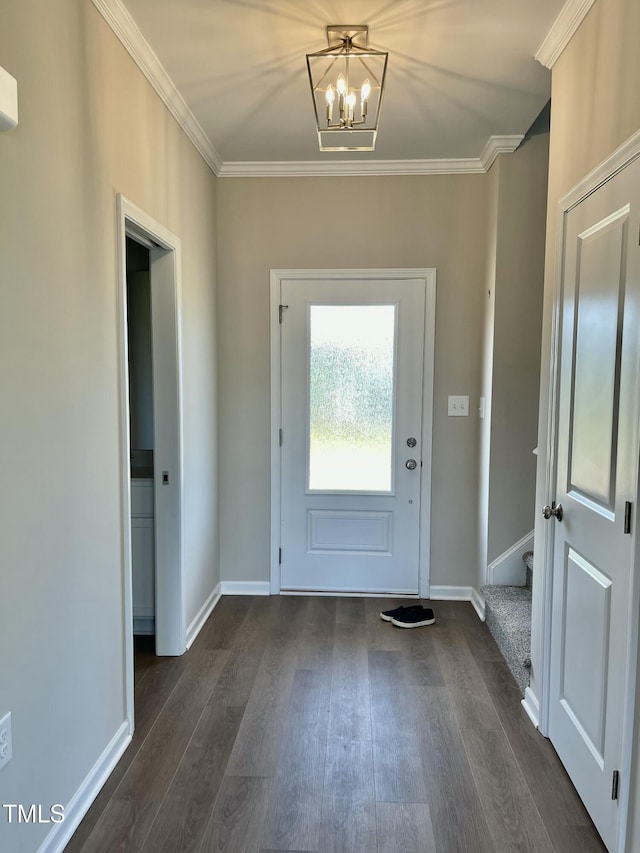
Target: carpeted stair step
508,617
527,559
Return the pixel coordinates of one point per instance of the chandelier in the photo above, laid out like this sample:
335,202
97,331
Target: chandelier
347,83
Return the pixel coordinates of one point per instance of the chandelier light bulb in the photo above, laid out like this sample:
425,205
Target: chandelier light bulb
341,85
351,102
330,96
366,90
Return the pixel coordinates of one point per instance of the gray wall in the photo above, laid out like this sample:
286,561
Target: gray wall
517,298
511,321
90,126
356,222
483,471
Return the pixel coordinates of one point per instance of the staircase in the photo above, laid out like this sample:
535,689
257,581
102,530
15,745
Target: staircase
508,617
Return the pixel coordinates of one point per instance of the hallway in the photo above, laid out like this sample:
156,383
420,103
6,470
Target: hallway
301,723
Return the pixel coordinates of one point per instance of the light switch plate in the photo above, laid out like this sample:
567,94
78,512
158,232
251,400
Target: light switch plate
458,406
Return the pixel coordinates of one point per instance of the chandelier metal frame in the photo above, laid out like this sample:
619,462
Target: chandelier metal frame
343,127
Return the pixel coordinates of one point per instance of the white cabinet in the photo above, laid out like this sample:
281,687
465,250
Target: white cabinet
143,556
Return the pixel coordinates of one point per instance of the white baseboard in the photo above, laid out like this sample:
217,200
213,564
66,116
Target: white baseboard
78,806
144,620
339,593
450,593
478,602
532,706
203,614
144,626
459,593
508,568
245,588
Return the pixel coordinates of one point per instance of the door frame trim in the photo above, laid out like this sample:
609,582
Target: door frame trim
604,172
165,256
428,275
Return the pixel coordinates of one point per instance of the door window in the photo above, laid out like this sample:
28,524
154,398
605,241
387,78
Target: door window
351,397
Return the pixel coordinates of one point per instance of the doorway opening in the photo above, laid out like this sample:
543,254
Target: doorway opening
151,437
141,443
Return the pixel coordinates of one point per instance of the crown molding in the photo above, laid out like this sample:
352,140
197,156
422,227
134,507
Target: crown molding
499,145
145,58
348,168
569,19
362,168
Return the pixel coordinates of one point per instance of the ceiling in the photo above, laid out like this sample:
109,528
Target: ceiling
460,71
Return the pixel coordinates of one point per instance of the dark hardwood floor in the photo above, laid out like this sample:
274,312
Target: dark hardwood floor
302,723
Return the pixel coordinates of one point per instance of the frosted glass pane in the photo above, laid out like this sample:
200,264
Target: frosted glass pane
352,351
597,364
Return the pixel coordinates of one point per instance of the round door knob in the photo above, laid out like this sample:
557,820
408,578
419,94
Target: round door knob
554,510
411,464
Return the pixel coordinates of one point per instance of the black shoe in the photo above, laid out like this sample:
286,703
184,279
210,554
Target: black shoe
390,615
414,618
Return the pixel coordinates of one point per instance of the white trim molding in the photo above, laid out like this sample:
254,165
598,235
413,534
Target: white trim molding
499,145
459,593
531,706
203,614
508,568
132,39
361,168
169,615
618,160
245,587
81,801
340,593
144,621
450,593
562,30
349,168
477,600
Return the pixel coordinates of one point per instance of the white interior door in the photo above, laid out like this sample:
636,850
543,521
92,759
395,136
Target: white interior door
351,378
597,455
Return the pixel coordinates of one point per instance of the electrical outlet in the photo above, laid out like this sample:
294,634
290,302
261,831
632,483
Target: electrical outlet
458,406
6,746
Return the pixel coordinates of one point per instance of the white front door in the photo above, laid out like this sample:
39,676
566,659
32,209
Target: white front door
597,453
352,355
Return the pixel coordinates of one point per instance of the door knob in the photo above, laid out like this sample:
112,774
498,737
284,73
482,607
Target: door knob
411,464
557,511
